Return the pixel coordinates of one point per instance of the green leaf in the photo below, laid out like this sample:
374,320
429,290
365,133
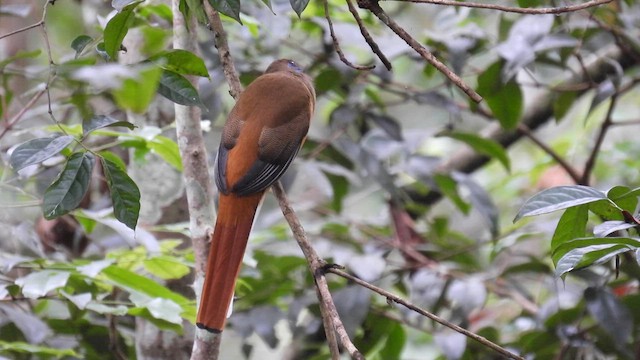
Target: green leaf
133,282
136,94
558,198
37,350
38,150
299,5
125,194
38,284
102,121
67,191
167,149
120,4
166,267
79,43
114,159
504,99
20,55
484,146
449,188
160,323
580,253
571,226
182,62
178,89
563,103
624,197
231,8
117,29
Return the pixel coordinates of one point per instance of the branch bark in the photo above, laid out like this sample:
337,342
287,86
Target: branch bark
317,267
197,183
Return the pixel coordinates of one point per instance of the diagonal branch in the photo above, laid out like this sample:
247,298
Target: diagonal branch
317,267
367,37
336,44
374,7
532,11
229,69
436,318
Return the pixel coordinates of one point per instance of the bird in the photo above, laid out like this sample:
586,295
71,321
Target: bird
261,137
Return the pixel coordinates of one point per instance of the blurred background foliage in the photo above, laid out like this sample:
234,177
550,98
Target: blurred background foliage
403,180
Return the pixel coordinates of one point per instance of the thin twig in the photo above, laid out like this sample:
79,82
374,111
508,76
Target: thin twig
606,124
336,44
228,67
367,37
374,7
575,175
317,268
436,318
534,11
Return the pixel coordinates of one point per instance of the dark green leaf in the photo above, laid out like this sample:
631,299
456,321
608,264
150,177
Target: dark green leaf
125,194
178,89
117,29
102,121
609,227
571,226
483,146
580,253
624,197
606,209
67,191
558,198
299,5
114,159
328,79
504,100
182,62
78,44
38,150
231,8
612,315
449,188
563,103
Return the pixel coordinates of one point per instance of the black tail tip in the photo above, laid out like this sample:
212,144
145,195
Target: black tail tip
211,330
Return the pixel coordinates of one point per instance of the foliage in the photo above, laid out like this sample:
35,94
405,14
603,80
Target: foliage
383,185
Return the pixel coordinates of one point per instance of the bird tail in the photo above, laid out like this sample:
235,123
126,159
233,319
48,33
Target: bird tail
234,222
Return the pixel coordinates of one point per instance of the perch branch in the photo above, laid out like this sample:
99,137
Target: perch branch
439,320
374,7
220,36
367,37
317,268
534,11
197,182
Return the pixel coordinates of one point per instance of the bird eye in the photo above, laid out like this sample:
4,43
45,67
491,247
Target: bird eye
292,65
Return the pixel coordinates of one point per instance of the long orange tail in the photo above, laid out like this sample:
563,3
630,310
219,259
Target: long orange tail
235,218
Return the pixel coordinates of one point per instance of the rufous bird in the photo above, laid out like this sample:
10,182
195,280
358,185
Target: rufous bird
262,135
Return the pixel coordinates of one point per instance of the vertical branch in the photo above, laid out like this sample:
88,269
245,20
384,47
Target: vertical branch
197,182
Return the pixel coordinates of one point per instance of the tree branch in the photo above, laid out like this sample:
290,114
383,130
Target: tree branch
538,113
374,7
336,44
317,268
228,67
532,11
197,182
367,37
439,320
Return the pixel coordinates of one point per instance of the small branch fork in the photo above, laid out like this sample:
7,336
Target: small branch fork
332,323
318,268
